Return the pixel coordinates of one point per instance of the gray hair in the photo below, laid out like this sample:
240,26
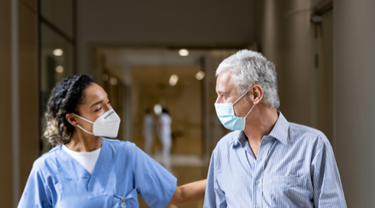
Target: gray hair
247,68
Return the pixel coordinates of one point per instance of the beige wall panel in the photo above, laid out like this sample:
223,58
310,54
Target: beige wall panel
32,4
28,97
5,106
28,88
287,39
354,73
325,76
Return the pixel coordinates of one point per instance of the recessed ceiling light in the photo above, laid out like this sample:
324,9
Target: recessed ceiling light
113,81
173,80
58,52
200,75
157,109
59,69
183,52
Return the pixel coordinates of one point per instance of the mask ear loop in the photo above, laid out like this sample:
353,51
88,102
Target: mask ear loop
240,97
84,130
243,95
83,118
250,110
81,126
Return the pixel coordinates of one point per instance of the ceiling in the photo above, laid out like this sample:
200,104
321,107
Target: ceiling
151,67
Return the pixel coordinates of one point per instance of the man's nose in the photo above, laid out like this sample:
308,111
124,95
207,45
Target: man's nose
218,100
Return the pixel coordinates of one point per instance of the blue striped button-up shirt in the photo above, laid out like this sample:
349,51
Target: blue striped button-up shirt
295,167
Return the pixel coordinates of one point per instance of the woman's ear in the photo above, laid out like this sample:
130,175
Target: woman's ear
71,118
257,92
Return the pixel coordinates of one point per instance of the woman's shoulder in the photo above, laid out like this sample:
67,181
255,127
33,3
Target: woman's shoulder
50,154
120,145
47,160
123,149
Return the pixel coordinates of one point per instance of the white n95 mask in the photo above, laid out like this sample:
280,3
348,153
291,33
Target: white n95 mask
226,115
106,125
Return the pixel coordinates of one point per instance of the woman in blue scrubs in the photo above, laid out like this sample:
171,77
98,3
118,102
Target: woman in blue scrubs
87,170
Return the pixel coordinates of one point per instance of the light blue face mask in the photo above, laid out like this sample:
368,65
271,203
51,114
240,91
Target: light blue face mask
226,115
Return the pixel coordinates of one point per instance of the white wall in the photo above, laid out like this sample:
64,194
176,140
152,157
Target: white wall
162,23
354,73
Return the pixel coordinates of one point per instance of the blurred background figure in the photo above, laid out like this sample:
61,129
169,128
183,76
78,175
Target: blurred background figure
165,136
148,131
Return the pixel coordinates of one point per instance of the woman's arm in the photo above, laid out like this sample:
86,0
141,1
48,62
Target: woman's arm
189,193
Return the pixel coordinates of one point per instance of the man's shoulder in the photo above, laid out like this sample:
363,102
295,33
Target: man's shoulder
299,131
228,141
302,129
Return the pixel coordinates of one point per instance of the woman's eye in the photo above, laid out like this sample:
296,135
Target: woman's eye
109,102
98,109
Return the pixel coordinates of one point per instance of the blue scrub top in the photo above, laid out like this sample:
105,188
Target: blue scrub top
121,171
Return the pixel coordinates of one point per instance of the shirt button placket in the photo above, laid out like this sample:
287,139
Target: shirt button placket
123,202
259,188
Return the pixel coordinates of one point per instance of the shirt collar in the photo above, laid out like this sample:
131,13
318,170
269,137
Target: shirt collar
279,131
242,139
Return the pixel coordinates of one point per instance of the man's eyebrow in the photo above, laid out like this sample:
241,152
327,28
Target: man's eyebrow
96,103
222,92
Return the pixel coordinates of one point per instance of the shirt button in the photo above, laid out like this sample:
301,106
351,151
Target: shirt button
257,206
257,182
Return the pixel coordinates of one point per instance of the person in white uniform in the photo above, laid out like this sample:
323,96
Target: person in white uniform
148,131
165,135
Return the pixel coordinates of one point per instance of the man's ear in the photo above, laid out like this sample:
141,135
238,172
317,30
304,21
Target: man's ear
71,118
257,92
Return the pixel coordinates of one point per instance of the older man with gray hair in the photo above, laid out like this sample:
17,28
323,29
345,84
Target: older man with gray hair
266,161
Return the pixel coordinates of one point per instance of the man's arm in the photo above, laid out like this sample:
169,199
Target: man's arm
189,193
328,190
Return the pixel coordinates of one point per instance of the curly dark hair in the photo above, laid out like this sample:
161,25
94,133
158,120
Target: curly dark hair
64,98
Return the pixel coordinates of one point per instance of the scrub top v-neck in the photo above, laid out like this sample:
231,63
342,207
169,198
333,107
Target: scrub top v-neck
121,171
86,159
